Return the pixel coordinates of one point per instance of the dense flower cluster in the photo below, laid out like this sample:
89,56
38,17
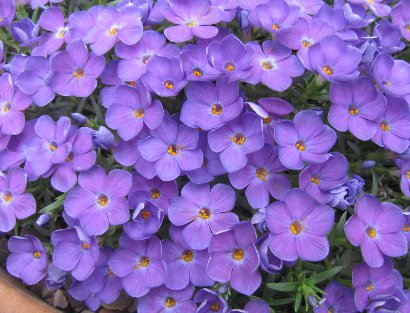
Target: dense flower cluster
183,176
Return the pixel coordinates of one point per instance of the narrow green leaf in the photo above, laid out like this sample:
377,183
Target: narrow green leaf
318,278
286,287
374,183
298,301
281,301
339,227
53,206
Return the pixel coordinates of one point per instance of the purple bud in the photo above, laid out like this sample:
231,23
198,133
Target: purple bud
103,138
79,118
346,195
55,277
368,164
43,220
222,288
24,31
244,20
312,301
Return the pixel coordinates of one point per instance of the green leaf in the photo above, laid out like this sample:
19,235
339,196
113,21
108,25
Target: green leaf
298,301
53,206
374,183
318,278
339,227
286,287
281,301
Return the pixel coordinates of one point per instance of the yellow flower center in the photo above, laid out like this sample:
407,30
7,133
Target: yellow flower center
169,302
239,139
197,72
406,228
61,33
261,173
267,120
216,109
37,254
102,200
205,213
191,24
300,146
173,150
328,70
371,232
139,113
384,126
314,179
215,306
70,157
229,67
267,65
53,146
113,31
407,27
145,214
78,73
169,85
143,262
155,193
369,287
275,27
187,255
110,273
408,174
238,254
145,59
5,108
353,110
7,196
387,83
306,43
132,84
296,227
85,246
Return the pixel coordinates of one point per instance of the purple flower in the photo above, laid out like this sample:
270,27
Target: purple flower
260,178
55,278
7,11
388,37
99,201
204,211
193,19
405,177
12,103
184,265
393,132
36,80
377,7
257,306
209,106
235,140
356,105
140,264
392,76
74,251
162,299
235,259
75,72
153,190
400,16
298,227
346,195
136,57
307,7
27,260
378,229
303,35
195,63
210,301
370,283
131,109
305,139
334,60
25,32
79,291
276,15
338,298
112,25
164,76
318,179
14,203
103,138
146,220
274,65
388,303
270,263
173,148
230,57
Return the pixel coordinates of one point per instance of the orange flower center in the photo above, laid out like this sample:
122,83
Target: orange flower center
296,227
239,139
205,213
238,254
187,256
216,109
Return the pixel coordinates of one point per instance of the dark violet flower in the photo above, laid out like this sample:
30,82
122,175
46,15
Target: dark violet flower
270,263
303,35
204,211
230,57
55,278
12,103
79,291
7,11
337,299
25,32
52,20
51,144
346,195
140,264
14,203
27,260
377,7
103,138
318,179
136,57
357,16
388,303
306,139
112,25
356,105
131,109
393,132
406,307
377,228
298,227
75,72
192,19
392,76
209,106
388,37
260,177
195,63
173,148
153,190
100,200
164,76
257,306
36,80
210,301
400,16
334,59
276,15
235,259
162,299
184,265
370,283
235,140
274,65
146,220
74,251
